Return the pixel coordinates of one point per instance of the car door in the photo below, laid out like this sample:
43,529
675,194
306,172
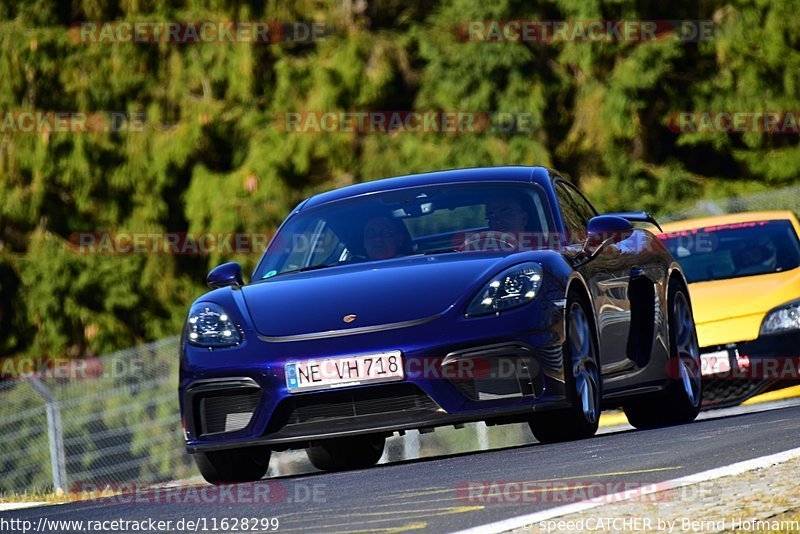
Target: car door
608,276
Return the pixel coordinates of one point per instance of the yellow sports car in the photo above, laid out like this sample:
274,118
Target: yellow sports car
744,279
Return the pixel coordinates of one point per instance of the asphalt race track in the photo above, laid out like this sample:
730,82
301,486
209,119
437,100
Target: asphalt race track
422,494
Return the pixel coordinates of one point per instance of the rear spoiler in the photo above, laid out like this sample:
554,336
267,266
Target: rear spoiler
638,216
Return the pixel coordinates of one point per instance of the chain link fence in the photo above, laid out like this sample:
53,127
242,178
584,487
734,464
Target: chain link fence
116,419
787,198
109,419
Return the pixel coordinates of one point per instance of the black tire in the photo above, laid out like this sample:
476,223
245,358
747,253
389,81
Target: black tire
346,453
233,465
583,383
680,402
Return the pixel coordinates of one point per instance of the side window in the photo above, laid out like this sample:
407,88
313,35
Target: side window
580,204
317,244
574,223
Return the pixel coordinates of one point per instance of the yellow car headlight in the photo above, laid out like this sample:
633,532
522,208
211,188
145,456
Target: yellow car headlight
782,319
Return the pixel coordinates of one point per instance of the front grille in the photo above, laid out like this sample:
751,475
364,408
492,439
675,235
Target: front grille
495,372
720,392
227,412
356,402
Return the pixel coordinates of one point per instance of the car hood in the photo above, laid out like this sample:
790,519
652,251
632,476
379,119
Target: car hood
739,297
377,293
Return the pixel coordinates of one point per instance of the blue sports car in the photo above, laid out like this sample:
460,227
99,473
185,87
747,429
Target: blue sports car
489,294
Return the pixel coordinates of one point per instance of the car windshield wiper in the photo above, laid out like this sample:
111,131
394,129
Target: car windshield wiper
441,251
304,269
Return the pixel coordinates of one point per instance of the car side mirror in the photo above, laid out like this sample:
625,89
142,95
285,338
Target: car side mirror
227,274
602,229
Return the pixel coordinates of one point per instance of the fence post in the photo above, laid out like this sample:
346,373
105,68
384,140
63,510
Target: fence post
55,435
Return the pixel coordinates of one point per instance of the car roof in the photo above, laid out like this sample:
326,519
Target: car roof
733,218
539,175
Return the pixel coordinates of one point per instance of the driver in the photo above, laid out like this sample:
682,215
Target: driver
506,214
758,258
383,238
506,219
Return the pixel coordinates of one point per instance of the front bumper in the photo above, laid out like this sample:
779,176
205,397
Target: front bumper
298,433
737,371
227,405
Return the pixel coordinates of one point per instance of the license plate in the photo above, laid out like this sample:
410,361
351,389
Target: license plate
331,373
715,363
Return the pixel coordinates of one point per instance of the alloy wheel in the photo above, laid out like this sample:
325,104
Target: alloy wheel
584,365
688,350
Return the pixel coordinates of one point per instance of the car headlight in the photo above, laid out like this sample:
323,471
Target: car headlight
782,319
513,287
208,325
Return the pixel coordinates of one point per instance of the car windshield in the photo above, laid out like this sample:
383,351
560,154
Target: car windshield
735,250
404,222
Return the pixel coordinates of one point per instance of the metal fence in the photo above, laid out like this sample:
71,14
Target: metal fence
118,419
111,419
787,198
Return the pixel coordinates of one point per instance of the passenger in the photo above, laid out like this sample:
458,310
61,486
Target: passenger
384,238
